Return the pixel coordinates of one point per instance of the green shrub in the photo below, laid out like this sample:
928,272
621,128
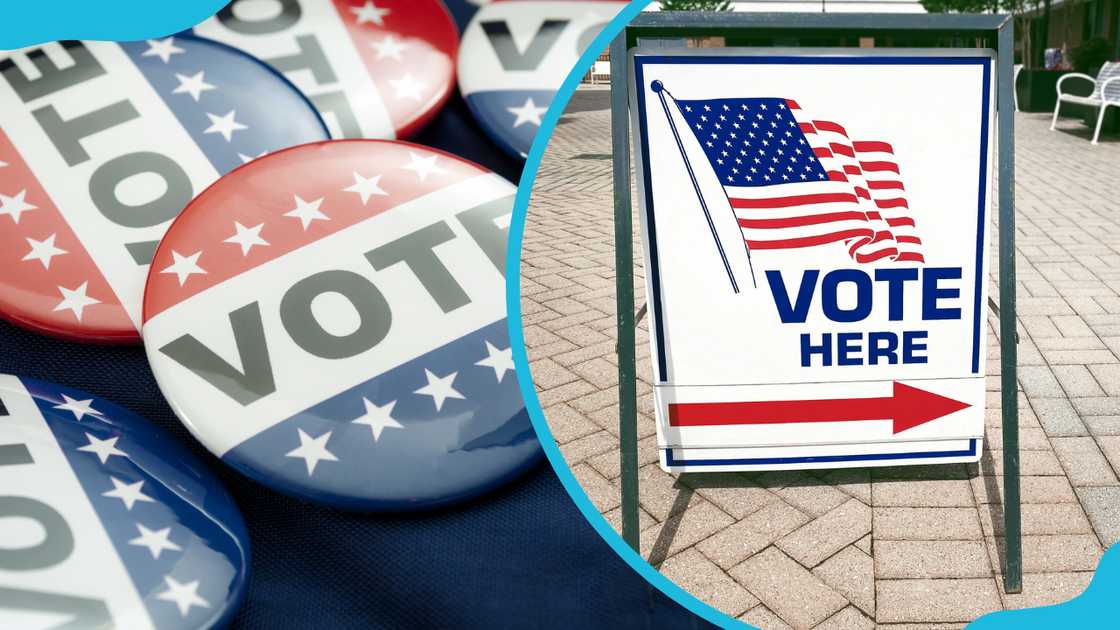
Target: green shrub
1091,55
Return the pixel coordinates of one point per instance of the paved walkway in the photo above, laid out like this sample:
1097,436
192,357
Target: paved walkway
858,548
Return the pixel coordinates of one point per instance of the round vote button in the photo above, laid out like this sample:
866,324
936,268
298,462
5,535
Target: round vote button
101,146
516,54
330,320
373,68
107,522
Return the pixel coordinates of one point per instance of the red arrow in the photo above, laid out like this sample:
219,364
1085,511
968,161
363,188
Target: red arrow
907,406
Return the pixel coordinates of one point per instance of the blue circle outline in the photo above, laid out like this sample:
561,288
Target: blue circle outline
517,338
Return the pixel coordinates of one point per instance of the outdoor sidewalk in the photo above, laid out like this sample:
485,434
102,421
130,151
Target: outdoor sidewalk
857,548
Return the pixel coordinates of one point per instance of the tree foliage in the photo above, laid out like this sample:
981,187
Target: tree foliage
695,5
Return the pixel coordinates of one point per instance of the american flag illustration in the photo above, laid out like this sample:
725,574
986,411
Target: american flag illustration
794,181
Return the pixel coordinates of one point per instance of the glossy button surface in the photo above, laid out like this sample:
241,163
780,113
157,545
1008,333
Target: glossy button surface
101,146
106,521
330,320
515,55
374,68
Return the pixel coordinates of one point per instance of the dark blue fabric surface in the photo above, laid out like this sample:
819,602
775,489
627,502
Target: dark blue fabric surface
522,557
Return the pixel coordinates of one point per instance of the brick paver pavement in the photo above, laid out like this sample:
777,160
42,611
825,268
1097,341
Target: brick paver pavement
856,548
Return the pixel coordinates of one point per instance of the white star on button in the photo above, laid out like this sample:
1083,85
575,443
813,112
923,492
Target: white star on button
370,12
366,187
500,360
80,408
156,541
307,211
162,48
408,87
225,124
389,47
15,205
129,493
184,266
193,85
104,449
423,166
440,388
378,418
312,450
527,113
75,300
43,250
245,159
246,237
182,595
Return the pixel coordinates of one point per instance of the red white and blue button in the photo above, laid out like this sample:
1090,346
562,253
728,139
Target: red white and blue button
330,320
101,146
107,521
374,68
514,57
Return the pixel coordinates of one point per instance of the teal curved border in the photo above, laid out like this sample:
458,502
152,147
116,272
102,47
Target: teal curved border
1093,608
517,339
30,22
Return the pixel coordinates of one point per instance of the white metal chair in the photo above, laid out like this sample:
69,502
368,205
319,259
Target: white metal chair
1015,85
1106,93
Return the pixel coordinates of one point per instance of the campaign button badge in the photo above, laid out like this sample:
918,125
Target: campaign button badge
373,68
108,522
330,320
101,145
515,55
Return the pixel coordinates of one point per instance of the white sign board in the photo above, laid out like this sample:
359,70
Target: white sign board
815,229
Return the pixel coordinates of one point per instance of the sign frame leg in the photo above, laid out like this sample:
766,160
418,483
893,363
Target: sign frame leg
1012,517
624,288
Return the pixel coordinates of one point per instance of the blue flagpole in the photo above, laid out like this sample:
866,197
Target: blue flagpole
659,88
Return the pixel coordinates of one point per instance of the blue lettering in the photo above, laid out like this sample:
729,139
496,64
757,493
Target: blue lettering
895,288
882,345
910,346
845,348
808,350
798,312
931,293
829,295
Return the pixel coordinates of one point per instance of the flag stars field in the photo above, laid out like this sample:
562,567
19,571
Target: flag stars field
104,449
75,300
389,48
408,87
378,418
246,238
43,251
183,595
162,48
184,266
15,205
225,124
366,187
423,166
370,13
156,541
129,493
440,388
307,211
312,450
528,113
193,85
80,408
